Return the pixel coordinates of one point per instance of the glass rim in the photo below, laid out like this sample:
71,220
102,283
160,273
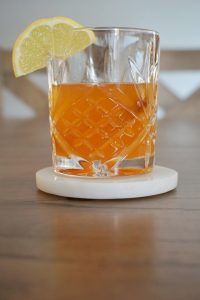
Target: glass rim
118,28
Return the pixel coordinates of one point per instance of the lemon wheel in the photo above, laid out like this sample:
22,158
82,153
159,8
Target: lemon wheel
44,38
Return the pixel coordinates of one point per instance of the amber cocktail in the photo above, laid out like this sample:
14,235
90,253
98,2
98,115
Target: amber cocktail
103,103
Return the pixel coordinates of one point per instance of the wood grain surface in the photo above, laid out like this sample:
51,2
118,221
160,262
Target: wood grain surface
58,249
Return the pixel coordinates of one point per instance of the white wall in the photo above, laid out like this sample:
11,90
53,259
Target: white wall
178,21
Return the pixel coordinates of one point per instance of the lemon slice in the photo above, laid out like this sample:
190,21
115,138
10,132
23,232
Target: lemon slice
45,38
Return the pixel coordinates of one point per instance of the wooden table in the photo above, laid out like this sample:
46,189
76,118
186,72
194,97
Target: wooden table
54,248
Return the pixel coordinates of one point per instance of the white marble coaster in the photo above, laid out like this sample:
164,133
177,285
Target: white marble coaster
160,181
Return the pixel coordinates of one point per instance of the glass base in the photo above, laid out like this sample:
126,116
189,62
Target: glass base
125,167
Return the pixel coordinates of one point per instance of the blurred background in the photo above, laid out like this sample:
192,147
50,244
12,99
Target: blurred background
177,22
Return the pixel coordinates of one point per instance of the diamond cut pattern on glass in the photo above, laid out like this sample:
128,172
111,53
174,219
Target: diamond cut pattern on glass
108,125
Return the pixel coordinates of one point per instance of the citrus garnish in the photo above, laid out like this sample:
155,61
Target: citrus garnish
45,38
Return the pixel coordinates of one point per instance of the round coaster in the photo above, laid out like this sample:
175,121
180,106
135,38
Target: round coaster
160,181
